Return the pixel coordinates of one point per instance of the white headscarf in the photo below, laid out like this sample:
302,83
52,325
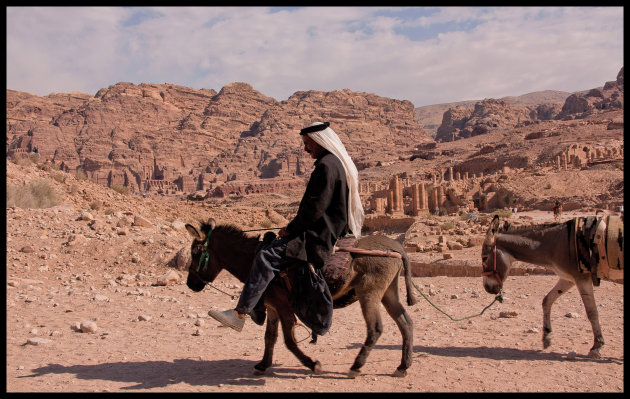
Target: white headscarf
328,139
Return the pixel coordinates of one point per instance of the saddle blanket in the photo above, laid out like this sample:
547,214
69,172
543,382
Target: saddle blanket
598,245
337,265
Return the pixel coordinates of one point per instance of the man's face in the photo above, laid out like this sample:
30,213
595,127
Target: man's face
311,146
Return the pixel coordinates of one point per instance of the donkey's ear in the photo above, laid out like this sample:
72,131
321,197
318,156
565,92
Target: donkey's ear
194,232
211,223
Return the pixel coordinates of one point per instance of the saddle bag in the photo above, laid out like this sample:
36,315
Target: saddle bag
311,299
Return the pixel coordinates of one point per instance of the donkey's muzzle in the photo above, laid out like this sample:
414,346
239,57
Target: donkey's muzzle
195,283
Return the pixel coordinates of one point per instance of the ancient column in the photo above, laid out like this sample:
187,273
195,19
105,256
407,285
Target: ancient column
424,201
415,199
441,198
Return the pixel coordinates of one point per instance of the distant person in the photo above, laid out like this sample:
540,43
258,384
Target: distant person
557,210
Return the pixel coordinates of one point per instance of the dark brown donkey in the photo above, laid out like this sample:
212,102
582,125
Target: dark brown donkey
370,279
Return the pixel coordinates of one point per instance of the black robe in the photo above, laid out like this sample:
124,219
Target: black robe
323,213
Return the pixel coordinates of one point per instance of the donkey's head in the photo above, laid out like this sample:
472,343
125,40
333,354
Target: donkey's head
495,263
202,266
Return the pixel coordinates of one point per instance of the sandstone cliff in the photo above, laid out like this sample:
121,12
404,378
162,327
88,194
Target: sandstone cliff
463,122
174,139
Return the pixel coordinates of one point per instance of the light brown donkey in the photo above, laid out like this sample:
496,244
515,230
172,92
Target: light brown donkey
547,245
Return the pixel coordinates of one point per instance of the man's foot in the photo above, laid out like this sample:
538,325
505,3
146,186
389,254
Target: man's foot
228,318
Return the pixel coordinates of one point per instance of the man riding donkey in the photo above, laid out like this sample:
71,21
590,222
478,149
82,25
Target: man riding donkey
330,208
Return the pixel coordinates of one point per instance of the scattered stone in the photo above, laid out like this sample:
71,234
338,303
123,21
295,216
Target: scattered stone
144,317
141,222
572,315
571,355
100,297
454,246
508,314
27,249
87,216
171,277
37,341
178,225
76,239
88,327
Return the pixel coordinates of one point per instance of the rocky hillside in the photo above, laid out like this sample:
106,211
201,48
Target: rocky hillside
430,116
463,122
169,138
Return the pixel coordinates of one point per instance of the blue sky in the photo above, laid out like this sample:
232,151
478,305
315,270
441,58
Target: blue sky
426,55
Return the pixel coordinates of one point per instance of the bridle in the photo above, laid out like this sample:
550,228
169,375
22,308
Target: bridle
486,271
205,256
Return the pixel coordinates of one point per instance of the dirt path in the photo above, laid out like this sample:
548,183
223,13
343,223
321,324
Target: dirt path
159,338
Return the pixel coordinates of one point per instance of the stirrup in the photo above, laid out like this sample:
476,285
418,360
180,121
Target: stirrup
228,319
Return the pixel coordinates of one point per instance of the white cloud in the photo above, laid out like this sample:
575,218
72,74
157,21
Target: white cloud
487,52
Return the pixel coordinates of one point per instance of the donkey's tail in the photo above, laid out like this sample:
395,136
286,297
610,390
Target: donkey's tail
411,299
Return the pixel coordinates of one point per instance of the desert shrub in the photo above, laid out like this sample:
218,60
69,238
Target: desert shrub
548,186
24,159
96,205
59,176
503,213
73,189
442,211
120,189
80,175
35,194
448,226
266,223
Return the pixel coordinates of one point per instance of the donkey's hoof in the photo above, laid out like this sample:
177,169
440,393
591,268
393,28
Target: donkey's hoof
399,373
353,373
317,368
546,342
259,370
594,354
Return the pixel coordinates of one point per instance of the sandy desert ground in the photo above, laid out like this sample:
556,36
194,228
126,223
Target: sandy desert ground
85,312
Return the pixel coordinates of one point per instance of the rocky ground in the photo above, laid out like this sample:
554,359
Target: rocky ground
96,301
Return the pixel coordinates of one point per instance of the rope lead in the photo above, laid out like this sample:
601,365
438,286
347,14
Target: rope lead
497,298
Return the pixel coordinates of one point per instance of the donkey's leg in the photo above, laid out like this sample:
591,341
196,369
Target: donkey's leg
396,310
560,288
369,305
271,336
287,320
585,286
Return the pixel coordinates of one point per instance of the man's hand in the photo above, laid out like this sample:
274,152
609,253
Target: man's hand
283,232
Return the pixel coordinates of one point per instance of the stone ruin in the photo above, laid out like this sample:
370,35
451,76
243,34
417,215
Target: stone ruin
450,190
